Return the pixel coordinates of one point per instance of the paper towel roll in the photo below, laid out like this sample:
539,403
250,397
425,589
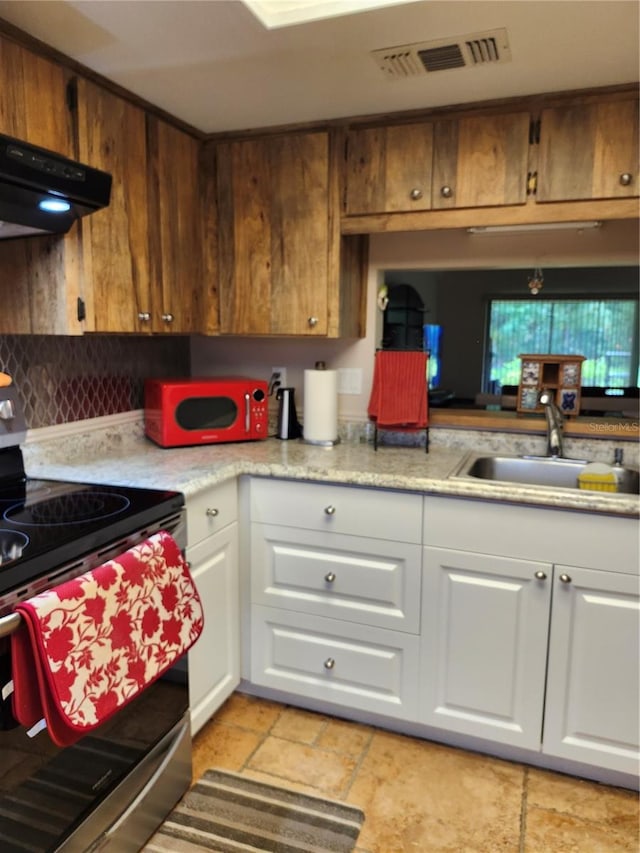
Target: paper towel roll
320,406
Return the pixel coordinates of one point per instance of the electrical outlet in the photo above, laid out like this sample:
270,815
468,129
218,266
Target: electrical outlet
282,379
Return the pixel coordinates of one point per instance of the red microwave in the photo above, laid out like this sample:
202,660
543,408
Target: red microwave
205,410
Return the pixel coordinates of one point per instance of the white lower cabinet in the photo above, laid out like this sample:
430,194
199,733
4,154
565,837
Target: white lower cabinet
214,661
484,645
335,594
592,712
513,625
542,655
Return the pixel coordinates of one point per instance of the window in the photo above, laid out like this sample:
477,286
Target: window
605,331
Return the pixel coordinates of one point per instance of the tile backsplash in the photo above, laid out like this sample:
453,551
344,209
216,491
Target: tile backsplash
64,379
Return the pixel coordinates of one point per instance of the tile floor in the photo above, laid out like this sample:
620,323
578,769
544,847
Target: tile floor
418,796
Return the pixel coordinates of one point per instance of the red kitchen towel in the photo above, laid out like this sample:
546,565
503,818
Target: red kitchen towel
90,645
399,390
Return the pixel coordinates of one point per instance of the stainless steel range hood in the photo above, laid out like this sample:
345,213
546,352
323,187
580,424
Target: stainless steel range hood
42,192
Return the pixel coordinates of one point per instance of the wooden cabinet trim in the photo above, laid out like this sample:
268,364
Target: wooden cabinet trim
506,215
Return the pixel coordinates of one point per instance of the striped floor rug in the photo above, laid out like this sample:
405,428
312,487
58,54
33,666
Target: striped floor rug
228,813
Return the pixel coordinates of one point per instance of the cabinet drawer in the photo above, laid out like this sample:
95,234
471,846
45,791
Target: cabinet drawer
339,509
346,577
333,661
211,510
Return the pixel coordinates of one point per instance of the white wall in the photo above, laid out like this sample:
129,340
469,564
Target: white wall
615,243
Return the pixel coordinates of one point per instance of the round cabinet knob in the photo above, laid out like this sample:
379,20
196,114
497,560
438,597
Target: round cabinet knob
329,663
565,578
541,576
446,192
168,318
330,510
212,512
312,321
330,577
415,194
626,178
144,316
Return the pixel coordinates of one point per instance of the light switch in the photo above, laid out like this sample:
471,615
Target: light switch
349,380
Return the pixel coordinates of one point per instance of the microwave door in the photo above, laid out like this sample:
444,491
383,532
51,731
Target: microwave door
203,413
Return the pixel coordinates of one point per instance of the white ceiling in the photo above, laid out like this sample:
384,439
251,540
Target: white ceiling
214,65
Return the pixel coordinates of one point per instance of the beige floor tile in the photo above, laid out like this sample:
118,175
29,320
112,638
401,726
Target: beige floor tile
586,800
299,725
419,797
249,712
300,787
220,745
328,772
343,736
554,832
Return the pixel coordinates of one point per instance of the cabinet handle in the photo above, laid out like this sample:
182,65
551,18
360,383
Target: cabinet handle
329,663
312,321
565,578
541,576
626,178
446,191
415,194
168,318
144,316
211,512
330,577
330,510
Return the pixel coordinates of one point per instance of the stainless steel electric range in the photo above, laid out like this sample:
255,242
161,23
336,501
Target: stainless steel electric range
113,788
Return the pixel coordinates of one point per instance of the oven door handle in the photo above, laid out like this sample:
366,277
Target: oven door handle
142,794
9,624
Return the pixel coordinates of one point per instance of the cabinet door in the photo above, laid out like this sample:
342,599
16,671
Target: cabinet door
115,240
484,644
273,235
175,244
481,161
33,99
589,151
40,285
389,169
592,710
214,661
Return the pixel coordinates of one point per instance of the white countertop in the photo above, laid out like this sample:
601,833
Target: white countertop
135,461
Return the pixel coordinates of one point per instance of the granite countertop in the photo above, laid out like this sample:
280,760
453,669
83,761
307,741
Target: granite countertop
136,461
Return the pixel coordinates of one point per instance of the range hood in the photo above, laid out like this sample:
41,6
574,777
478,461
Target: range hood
42,192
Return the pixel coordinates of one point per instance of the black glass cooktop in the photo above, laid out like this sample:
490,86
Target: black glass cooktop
47,523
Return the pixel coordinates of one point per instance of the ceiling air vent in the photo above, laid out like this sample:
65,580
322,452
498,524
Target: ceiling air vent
415,60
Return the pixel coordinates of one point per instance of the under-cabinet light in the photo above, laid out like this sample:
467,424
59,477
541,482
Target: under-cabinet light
54,205
534,226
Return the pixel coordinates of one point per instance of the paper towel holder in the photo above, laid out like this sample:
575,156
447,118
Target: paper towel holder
329,442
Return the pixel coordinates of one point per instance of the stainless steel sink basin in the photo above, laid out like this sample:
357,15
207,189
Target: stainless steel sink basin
541,471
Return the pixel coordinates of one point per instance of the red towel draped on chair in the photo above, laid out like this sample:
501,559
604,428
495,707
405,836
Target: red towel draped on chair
399,391
90,645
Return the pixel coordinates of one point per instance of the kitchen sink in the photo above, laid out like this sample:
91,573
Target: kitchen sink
541,471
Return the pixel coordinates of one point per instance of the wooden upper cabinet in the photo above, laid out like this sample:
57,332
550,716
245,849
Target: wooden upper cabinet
589,151
33,99
274,240
115,254
389,169
39,284
175,242
481,161
477,161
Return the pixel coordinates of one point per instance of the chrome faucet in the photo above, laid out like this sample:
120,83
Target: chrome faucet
554,423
